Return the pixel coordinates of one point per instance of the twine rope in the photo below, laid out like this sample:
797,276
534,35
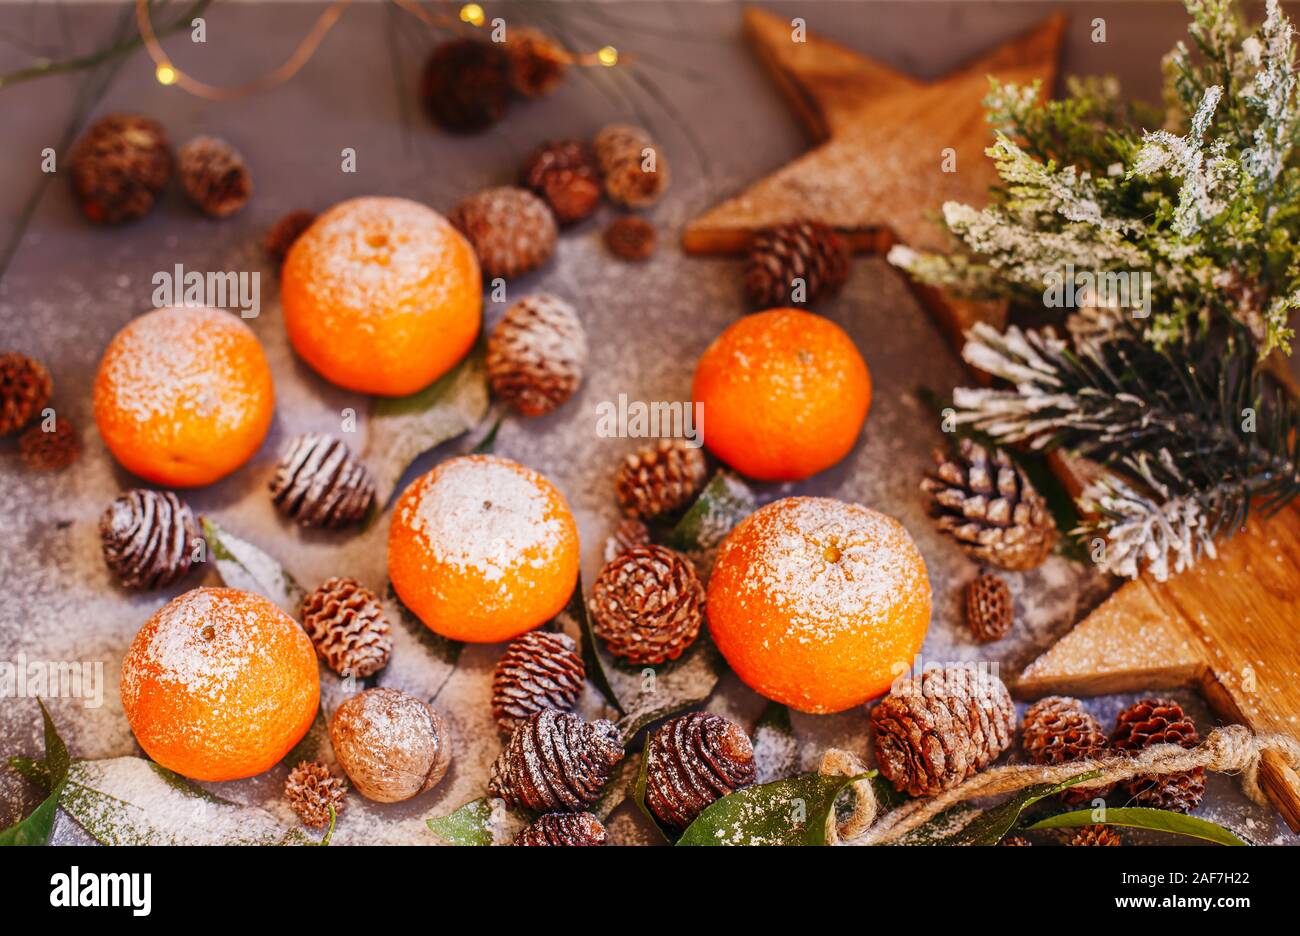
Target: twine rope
1232,749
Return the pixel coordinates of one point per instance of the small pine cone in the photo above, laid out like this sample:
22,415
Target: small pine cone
989,608
214,176
693,760
538,671
556,761
285,232
987,504
537,62
319,483
53,450
571,196
660,479
119,166
1059,730
564,173
627,534
1016,841
648,605
537,353
466,85
564,829
782,257
346,624
630,238
510,229
311,790
1159,721
934,732
25,389
1096,835
148,538
635,172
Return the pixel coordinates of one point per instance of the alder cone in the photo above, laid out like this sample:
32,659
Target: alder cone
148,537
119,166
537,354
806,251
25,389
214,176
693,760
466,85
1059,730
346,624
556,761
311,790
319,483
1159,721
647,605
935,731
660,478
565,829
631,238
538,671
53,450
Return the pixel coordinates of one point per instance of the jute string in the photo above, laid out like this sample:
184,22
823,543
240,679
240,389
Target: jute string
1230,750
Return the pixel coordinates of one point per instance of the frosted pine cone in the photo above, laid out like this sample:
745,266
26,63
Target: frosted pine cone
1159,721
934,732
647,605
311,790
511,230
25,389
214,176
148,538
564,173
635,172
346,624
538,671
988,505
556,761
319,483
537,353
568,829
537,62
627,534
989,608
119,166
693,760
795,263
1059,730
1096,835
660,479
53,450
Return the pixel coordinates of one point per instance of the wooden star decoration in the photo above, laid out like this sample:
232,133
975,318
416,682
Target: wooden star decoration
878,175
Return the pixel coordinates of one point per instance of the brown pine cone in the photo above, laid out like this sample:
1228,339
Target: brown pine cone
319,483
1016,841
510,229
537,353
808,252
537,62
346,624
564,829
556,761
538,671
214,176
634,170
311,790
25,390
53,450
284,232
466,85
692,760
564,173
988,505
148,538
571,196
934,732
661,478
1059,730
1096,835
647,605
628,533
630,238
119,166
1159,721
990,611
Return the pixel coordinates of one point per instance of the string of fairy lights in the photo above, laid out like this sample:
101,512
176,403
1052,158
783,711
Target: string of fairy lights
470,14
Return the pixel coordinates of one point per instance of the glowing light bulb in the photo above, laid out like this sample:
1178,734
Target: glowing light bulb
608,56
472,13
165,74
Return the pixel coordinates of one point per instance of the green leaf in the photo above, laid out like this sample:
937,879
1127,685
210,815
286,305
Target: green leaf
638,797
795,811
776,750
595,658
471,824
1137,817
489,441
964,825
404,428
675,687
724,502
329,833
52,772
242,565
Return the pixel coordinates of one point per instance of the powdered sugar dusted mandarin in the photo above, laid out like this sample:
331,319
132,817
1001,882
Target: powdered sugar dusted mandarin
183,395
219,684
381,295
483,549
816,603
